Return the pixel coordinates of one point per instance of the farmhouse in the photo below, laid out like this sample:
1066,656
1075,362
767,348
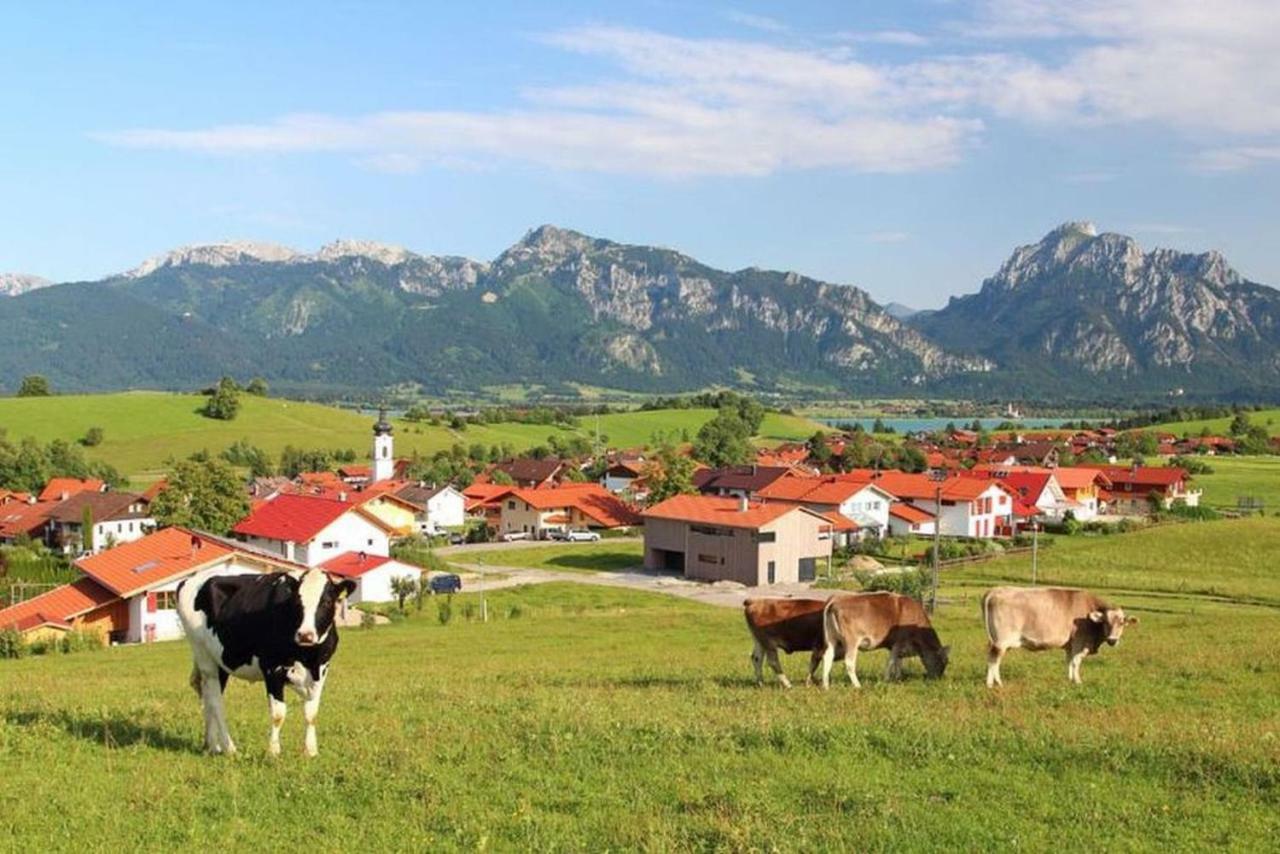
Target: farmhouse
114,517
62,488
127,594
373,574
439,507
621,473
24,521
572,505
310,530
528,472
854,498
716,538
906,520
970,507
1135,489
739,480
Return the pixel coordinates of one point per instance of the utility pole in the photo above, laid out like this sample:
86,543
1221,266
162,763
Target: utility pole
1035,543
937,478
484,603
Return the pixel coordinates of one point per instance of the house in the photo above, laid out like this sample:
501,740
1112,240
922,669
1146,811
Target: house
906,520
856,499
399,514
572,505
128,593
970,507
309,529
62,488
440,508
1133,490
528,472
738,481
621,473
714,538
24,521
354,475
116,517
373,574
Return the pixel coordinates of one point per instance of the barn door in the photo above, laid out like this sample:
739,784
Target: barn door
808,568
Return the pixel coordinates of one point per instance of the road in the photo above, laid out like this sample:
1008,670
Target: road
453,551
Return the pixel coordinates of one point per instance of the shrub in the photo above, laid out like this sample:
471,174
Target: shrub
444,610
367,620
79,641
12,644
514,612
93,437
914,582
469,611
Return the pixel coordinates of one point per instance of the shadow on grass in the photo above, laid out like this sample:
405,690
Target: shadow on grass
112,731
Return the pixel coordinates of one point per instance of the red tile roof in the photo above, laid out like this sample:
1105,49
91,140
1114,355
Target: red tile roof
59,488
297,518
1148,476
353,564
832,489
154,559
722,511
908,513
17,519
590,499
58,606
920,487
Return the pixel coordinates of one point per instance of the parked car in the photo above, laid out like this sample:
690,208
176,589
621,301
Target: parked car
512,536
556,534
582,536
445,582
456,539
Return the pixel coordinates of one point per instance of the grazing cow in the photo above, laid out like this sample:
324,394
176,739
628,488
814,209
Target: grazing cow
792,625
1037,618
880,620
277,628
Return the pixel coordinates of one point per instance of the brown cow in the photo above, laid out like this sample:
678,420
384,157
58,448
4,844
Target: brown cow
792,625
1037,618
880,620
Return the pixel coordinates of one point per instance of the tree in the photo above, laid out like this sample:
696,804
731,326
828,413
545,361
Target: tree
501,478
723,441
93,437
208,496
671,473
86,529
819,450
1239,425
402,587
257,387
34,385
224,402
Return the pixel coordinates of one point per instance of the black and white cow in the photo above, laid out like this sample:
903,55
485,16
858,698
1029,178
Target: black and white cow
277,628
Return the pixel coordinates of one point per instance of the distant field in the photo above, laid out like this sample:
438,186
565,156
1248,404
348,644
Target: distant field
604,556
143,429
593,719
1269,418
1237,477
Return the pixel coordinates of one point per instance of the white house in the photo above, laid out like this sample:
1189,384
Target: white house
971,507
310,530
116,517
860,500
443,507
373,575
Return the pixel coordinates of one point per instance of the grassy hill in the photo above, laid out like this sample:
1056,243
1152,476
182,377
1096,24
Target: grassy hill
143,429
1269,418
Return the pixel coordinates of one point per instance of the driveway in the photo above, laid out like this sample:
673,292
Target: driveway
723,593
448,551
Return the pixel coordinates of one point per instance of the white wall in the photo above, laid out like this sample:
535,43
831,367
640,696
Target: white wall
124,531
446,509
375,585
867,502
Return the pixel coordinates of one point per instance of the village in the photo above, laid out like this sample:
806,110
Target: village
786,518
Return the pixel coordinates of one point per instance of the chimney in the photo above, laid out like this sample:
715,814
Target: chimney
196,544
743,503
342,496
363,555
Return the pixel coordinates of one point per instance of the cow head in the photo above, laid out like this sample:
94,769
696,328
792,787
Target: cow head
1111,621
317,598
935,661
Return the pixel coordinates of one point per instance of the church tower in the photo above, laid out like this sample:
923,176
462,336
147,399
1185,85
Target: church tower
384,460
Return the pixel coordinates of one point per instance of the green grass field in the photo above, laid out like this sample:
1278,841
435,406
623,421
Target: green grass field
1269,418
143,429
604,556
1240,477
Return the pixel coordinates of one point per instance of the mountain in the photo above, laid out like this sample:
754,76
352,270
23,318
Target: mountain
12,284
1081,310
1076,315
899,311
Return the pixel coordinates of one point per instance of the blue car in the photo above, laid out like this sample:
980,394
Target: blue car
446,583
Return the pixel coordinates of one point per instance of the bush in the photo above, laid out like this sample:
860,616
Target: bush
78,641
12,644
469,611
1179,511
93,437
444,610
908,582
514,612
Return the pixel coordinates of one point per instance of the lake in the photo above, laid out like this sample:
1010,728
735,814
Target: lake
914,425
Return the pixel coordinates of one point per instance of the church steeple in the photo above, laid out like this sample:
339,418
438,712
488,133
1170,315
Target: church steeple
384,461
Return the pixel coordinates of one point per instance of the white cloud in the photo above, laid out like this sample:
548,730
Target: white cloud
757,22
899,38
676,106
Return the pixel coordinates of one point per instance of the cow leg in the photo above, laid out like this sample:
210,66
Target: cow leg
772,655
1074,659
206,712
757,662
994,656
893,669
851,663
212,688
828,658
311,710
275,700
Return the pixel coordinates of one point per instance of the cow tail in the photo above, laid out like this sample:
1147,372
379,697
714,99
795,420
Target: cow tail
986,616
830,624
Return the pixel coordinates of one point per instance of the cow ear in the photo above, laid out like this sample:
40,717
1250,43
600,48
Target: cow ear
1098,616
346,587
1130,621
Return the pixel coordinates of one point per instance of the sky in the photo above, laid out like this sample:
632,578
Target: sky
905,147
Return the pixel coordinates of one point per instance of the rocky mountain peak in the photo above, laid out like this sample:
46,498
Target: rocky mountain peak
223,254
383,253
12,284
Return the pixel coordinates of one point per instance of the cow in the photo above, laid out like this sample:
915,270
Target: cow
1038,618
792,625
880,620
277,628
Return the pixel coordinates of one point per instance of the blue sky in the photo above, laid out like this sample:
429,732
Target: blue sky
905,147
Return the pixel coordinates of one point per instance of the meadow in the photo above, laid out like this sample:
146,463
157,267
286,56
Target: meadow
143,429
1269,418
608,555
598,718
1233,478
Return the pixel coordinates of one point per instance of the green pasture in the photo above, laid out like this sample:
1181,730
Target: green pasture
1269,418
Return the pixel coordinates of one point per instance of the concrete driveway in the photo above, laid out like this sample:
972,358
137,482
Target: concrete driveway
451,551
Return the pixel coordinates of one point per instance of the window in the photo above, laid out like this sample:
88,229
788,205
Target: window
166,600
772,571
712,559
511,505
331,544
765,536
369,542
711,531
